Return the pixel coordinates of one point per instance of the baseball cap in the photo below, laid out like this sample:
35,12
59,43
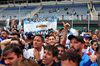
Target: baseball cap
85,26
50,31
30,34
87,36
79,38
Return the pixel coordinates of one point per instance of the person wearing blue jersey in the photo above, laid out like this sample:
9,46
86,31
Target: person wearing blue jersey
86,48
76,44
4,34
1,59
85,29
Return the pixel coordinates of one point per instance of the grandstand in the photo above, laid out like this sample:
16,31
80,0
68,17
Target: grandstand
97,7
59,10
77,10
13,12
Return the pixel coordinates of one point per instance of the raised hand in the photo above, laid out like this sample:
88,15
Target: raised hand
93,58
66,26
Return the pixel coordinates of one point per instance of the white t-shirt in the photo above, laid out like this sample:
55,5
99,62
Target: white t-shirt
29,54
88,50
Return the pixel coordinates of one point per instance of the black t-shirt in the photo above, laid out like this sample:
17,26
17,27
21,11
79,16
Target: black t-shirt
54,63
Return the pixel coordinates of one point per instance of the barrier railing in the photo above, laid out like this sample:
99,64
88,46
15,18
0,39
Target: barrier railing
58,17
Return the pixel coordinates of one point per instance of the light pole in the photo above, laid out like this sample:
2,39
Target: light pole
19,26
72,17
19,11
88,22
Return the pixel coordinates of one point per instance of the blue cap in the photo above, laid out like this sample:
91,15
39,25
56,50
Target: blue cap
87,36
85,26
51,31
30,34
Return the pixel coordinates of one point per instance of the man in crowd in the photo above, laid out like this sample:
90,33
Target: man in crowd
6,42
85,29
4,34
52,40
61,49
50,52
35,15
76,44
15,35
96,31
37,44
94,37
94,46
46,40
70,59
12,53
25,62
28,41
86,48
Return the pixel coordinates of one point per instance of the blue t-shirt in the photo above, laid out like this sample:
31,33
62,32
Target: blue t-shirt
85,59
1,39
2,62
85,30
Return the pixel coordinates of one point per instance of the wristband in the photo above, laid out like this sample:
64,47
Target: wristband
66,29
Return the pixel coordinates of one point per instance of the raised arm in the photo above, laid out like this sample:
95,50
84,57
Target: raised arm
66,28
4,43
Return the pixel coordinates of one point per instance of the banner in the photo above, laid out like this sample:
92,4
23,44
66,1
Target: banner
39,25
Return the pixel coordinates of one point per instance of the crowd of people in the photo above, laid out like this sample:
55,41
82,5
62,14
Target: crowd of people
63,47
